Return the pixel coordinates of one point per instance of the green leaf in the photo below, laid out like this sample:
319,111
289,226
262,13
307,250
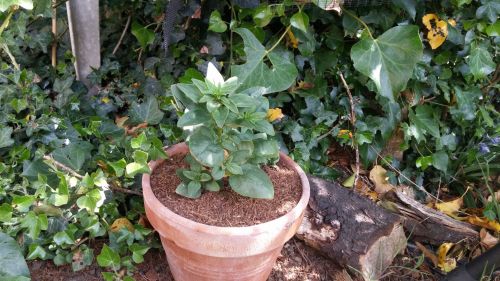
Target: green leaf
263,15
423,162
37,252
12,263
480,62
5,139
35,224
252,183
138,251
220,116
118,166
493,29
108,258
89,201
215,23
22,203
465,108
300,20
490,10
205,148
73,155
426,120
408,5
63,238
440,161
191,190
108,276
143,34
212,186
389,60
5,212
256,73
148,112
196,116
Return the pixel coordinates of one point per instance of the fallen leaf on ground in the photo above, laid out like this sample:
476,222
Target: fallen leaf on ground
484,222
428,253
487,239
497,197
445,263
349,182
451,207
121,223
378,175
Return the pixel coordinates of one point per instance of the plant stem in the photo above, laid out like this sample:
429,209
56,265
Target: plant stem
54,32
5,23
279,40
361,21
123,34
12,58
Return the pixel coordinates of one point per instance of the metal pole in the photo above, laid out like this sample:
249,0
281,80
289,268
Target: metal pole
83,18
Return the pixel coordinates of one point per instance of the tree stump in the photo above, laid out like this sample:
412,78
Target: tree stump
350,229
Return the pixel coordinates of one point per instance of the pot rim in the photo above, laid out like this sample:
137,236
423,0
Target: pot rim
286,220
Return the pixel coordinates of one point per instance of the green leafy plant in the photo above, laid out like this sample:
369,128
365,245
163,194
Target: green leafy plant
230,136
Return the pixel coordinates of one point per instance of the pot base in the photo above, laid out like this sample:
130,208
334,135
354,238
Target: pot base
189,266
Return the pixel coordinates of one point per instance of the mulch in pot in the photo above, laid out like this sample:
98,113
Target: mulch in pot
226,207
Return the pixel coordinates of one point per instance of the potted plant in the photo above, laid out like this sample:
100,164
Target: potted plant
230,138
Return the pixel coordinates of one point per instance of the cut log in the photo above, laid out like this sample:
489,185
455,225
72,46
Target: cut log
426,224
350,229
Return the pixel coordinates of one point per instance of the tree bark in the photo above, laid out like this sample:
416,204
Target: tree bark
350,229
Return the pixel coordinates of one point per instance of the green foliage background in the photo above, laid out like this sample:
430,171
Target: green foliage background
444,103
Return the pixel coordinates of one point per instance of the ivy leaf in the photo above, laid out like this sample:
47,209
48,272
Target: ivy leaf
143,35
215,23
389,60
440,161
5,4
35,224
465,108
5,139
480,62
5,212
148,112
300,20
408,5
138,251
425,119
73,155
204,146
12,263
263,15
489,10
108,258
256,73
253,183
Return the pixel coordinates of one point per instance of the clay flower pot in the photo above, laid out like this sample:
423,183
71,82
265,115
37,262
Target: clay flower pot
197,251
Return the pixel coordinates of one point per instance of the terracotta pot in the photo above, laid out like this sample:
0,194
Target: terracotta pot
197,251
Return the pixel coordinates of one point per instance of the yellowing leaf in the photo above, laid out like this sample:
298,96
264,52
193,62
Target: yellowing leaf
446,264
452,22
450,208
378,175
121,223
344,133
349,182
484,222
292,40
487,239
274,114
438,30
105,100
428,19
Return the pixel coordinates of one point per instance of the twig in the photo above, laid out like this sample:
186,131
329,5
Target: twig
62,167
353,123
54,32
123,35
72,172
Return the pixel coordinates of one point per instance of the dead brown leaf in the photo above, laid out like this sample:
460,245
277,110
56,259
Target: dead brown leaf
487,240
428,253
378,175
